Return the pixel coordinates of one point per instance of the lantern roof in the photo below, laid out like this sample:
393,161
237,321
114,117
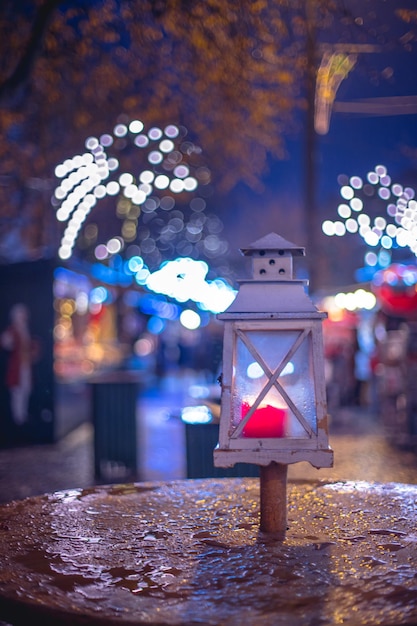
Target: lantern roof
273,242
272,291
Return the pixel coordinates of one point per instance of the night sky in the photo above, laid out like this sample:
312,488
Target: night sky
354,145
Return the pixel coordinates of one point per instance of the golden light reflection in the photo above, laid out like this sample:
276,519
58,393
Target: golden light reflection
67,308
129,230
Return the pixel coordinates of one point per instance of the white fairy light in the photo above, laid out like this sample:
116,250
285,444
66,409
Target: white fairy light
401,209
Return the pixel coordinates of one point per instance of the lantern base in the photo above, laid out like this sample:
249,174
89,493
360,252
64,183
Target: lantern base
317,458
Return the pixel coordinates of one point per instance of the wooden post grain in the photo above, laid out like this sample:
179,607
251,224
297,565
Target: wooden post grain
273,499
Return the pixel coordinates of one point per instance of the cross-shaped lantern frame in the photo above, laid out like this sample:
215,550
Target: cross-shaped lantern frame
279,413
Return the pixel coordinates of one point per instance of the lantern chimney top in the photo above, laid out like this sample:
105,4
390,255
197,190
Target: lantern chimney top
272,257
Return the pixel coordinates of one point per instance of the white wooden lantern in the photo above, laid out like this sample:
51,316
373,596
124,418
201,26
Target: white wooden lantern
273,401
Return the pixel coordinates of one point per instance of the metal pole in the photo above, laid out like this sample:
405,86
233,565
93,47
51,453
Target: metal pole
310,206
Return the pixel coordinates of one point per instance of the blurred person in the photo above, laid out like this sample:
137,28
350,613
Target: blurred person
16,339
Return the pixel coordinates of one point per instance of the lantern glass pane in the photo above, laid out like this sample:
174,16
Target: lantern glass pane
299,384
280,404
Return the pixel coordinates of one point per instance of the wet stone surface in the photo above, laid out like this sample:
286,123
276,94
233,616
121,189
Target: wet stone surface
190,552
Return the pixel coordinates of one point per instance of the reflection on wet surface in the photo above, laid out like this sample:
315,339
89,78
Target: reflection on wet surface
190,552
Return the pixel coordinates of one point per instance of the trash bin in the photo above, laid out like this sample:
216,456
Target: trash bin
114,397
200,441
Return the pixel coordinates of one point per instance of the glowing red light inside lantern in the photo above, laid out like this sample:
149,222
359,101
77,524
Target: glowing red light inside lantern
266,422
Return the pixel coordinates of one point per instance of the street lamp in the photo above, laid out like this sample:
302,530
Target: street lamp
273,400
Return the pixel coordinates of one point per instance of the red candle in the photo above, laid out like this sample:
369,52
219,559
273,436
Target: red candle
266,422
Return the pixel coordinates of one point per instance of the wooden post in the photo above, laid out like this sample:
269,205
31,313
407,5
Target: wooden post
273,478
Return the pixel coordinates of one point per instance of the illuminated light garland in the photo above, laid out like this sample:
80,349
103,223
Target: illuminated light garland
169,168
184,279
401,209
334,68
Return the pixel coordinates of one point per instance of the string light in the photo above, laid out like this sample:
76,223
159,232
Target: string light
171,176
397,229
